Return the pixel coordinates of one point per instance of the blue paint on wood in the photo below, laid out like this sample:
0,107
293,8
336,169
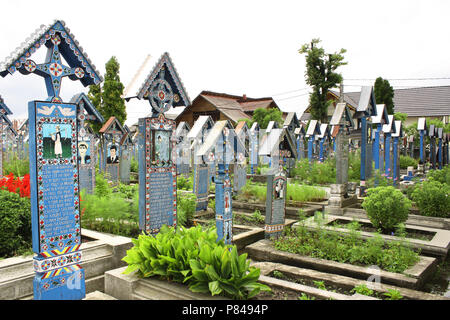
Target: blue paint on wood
376,147
363,148
422,153
310,148
395,164
387,154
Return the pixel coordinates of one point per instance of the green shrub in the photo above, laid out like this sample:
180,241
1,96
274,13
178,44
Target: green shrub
354,166
193,256
186,204
134,165
15,224
315,172
386,207
443,176
406,161
184,183
432,198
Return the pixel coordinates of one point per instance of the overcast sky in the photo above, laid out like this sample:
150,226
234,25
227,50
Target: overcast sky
238,47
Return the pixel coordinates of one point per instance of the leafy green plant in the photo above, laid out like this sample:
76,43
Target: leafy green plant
406,161
220,271
386,207
15,224
316,172
319,284
212,204
393,294
186,205
305,297
278,274
432,198
134,165
184,183
362,289
442,176
324,244
258,217
354,166
193,256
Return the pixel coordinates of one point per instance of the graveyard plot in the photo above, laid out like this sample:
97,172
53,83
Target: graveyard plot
430,241
341,284
101,252
413,276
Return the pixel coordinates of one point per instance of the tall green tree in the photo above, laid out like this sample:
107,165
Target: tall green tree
321,75
108,98
384,93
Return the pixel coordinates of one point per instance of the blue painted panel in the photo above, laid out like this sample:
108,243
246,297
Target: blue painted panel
67,285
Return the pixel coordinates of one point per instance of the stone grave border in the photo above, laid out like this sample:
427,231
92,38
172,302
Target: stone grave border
413,278
102,253
341,281
438,246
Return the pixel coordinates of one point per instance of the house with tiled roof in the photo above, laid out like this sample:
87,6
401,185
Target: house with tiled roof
428,102
222,106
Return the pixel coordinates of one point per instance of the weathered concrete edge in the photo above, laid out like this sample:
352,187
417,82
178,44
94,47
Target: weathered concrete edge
263,250
343,281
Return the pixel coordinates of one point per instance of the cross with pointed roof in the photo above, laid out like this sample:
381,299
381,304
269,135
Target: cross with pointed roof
53,70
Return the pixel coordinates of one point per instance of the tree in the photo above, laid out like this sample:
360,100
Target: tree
263,116
108,99
321,75
400,116
384,93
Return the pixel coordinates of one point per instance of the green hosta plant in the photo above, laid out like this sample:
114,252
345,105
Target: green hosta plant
168,253
386,207
220,271
193,256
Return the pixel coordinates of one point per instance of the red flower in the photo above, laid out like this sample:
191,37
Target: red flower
16,185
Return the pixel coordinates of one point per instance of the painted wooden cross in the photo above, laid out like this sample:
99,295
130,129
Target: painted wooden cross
379,120
112,134
397,135
280,146
53,130
253,148
219,148
388,129
365,110
313,130
183,145
432,135
87,156
300,141
422,128
324,138
157,147
202,166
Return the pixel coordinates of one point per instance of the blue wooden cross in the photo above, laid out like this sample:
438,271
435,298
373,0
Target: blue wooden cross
422,128
54,180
